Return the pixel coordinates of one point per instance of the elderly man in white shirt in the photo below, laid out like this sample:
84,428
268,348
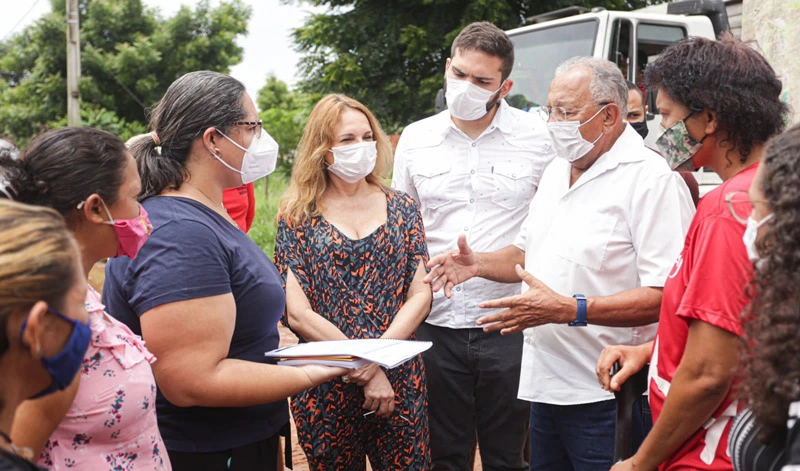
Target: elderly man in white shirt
473,169
601,235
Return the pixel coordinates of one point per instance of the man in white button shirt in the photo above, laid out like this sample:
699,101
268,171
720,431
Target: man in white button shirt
603,231
473,170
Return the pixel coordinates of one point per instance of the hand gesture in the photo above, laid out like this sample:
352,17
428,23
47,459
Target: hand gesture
453,268
537,306
379,395
631,359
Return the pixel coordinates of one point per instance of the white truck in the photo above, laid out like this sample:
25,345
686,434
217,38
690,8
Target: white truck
630,39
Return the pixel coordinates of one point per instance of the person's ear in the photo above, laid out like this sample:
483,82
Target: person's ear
611,115
31,336
505,89
93,209
210,139
710,118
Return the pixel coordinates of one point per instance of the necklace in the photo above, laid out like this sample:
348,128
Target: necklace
224,212
23,452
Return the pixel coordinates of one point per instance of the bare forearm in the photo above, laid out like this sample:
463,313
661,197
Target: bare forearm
701,382
635,307
238,383
312,327
409,317
690,403
500,265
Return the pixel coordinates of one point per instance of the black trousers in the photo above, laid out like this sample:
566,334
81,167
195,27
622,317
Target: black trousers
473,379
257,456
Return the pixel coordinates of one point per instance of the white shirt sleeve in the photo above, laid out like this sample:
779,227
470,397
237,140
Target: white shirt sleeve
521,240
661,212
401,177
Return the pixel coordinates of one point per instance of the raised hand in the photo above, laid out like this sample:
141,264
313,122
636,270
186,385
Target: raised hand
453,268
537,306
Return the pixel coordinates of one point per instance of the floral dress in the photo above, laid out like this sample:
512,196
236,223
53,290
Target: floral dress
111,424
359,285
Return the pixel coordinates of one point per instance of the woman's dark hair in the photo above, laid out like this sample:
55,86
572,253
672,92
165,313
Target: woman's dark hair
193,103
727,77
772,322
61,168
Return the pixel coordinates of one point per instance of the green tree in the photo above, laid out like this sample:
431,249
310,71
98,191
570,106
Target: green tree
390,54
284,113
129,56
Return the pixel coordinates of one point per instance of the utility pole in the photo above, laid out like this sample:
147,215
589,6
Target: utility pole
73,64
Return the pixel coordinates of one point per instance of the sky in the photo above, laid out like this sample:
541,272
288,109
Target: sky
267,47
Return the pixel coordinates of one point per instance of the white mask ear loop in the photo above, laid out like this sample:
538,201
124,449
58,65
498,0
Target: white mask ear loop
108,213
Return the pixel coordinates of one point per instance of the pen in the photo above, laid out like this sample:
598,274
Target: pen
369,413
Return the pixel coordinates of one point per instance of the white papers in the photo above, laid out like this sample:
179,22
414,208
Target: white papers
350,353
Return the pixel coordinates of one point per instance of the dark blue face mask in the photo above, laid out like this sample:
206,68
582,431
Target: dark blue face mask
64,365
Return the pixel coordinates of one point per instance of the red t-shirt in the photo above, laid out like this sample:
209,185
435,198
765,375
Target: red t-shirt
707,283
241,205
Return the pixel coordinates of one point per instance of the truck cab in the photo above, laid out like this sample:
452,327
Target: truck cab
631,40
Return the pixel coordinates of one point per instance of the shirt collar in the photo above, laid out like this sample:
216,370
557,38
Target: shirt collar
629,147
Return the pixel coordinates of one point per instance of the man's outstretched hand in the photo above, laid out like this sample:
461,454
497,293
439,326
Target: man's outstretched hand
452,268
538,306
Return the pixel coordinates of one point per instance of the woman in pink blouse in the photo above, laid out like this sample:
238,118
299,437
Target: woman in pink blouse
105,419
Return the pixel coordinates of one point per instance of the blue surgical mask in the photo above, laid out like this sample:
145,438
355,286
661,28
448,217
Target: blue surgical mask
64,365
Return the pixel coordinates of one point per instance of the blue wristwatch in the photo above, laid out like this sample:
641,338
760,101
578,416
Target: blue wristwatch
580,318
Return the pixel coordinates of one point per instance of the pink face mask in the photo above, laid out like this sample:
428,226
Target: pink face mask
131,233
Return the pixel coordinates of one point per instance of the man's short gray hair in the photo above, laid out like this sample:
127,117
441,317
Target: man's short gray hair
607,83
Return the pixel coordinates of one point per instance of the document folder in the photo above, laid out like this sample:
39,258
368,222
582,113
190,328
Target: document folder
388,353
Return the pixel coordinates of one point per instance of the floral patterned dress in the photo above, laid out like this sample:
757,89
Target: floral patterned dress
359,285
111,424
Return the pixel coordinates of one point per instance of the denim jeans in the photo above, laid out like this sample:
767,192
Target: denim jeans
642,422
575,437
473,378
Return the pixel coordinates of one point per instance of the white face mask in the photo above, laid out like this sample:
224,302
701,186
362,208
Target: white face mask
259,158
353,162
466,101
751,234
567,138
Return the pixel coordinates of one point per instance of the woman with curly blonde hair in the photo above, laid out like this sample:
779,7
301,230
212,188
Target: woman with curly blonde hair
352,254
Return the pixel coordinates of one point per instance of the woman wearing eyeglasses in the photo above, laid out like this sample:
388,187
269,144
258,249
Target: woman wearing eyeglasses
352,254
204,296
760,440
719,102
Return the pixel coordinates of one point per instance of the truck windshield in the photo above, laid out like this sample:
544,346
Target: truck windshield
537,54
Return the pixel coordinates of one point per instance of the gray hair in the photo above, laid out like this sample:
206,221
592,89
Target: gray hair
193,103
607,83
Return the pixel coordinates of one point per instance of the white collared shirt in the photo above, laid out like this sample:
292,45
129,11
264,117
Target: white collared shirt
620,226
480,188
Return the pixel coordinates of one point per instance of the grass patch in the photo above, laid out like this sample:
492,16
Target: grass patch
264,228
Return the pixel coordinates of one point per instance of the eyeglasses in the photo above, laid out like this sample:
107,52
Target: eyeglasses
740,205
559,114
396,420
258,123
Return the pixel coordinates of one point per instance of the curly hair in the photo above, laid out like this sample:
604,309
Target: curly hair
727,77
772,321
